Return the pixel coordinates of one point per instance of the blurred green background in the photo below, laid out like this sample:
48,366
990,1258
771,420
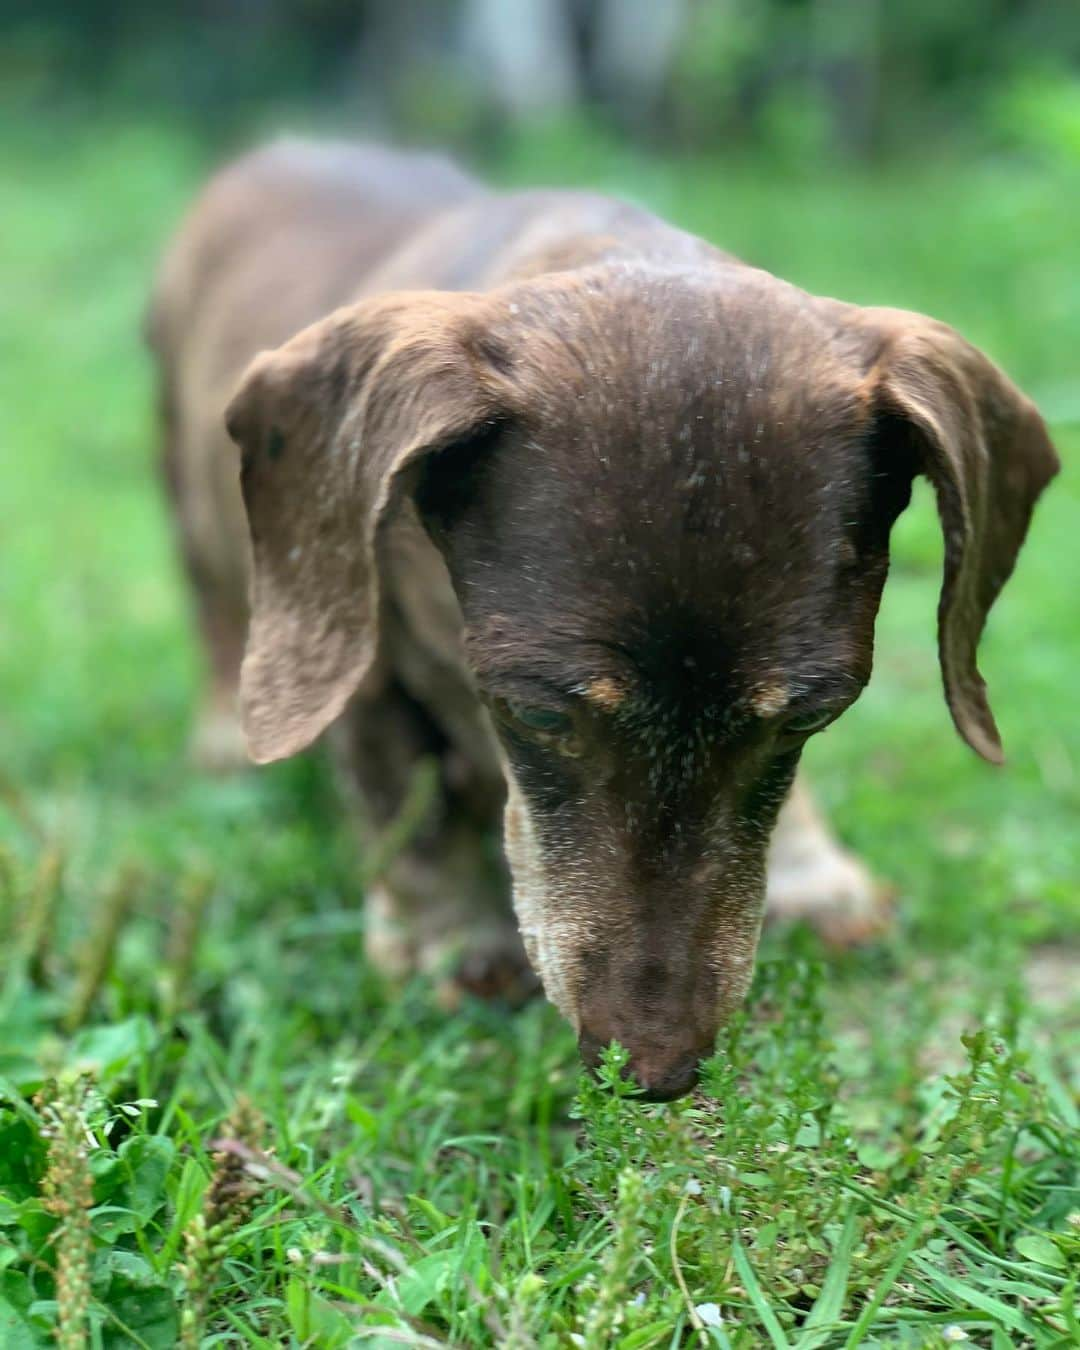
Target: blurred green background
919,155
795,78
192,938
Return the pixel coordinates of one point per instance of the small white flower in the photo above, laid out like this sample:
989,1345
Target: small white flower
693,1187
295,1255
953,1333
710,1314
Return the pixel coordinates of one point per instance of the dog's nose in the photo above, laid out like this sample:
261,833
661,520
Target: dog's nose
664,1078
664,1071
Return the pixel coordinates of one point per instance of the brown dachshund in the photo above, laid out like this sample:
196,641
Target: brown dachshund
587,513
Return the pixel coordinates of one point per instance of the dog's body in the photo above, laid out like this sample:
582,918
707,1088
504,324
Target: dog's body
600,515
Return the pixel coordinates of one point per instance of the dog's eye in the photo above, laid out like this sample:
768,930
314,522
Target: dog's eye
546,721
804,724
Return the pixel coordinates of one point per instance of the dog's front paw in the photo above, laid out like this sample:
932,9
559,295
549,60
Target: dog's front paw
495,970
811,879
389,939
833,892
463,955
217,741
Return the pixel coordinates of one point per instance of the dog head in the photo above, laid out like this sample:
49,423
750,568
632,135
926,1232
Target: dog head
664,498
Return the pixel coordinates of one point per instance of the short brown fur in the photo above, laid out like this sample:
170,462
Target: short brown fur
586,512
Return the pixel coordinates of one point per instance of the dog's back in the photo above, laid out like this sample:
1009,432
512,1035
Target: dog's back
314,217
275,241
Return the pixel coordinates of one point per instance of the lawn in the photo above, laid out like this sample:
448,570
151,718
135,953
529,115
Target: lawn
218,1127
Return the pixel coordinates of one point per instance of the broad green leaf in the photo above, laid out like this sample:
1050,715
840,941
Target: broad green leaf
314,1322
656,1333
134,1269
146,1159
1037,1247
18,1329
16,1333
22,1155
148,1311
426,1279
108,1051
110,1222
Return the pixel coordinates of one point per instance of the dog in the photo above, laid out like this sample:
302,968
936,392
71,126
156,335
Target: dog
586,514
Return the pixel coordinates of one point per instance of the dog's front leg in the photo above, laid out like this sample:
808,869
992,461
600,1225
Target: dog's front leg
437,898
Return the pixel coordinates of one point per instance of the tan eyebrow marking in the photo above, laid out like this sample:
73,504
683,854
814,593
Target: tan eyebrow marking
770,699
606,693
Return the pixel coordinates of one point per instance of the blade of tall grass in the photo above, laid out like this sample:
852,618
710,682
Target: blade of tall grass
824,1316
757,1298
885,1284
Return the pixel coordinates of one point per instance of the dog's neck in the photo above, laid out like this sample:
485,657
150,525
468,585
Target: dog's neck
590,230
495,239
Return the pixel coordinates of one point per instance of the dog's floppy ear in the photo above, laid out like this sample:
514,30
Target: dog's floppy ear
328,426
986,451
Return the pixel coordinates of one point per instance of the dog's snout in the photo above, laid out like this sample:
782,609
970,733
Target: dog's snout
664,1071
665,1078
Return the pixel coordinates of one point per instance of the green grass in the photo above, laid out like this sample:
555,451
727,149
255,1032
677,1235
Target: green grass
885,1149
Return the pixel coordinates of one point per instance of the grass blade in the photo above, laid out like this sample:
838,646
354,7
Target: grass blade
757,1298
961,1293
825,1314
882,1292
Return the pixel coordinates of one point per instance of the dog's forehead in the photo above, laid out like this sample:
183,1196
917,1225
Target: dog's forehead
672,508
703,393
659,338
